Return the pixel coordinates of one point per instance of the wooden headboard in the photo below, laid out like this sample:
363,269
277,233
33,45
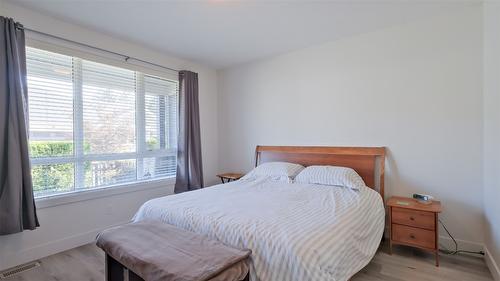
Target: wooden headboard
362,159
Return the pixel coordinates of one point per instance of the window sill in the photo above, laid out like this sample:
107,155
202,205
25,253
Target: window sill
84,195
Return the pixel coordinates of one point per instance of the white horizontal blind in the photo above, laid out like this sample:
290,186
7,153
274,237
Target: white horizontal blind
50,89
160,111
95,125
108,108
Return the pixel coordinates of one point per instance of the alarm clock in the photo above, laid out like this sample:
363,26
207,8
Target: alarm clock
423,198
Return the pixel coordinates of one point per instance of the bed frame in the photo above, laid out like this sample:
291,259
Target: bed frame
368,162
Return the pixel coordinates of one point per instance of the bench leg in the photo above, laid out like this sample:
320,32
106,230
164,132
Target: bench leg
114,270
133,277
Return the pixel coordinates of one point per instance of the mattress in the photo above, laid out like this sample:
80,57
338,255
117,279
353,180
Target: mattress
295,231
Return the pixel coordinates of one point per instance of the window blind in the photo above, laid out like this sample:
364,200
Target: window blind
160,99
94,125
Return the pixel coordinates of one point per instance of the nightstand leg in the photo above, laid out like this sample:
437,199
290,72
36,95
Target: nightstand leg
390,230
436,223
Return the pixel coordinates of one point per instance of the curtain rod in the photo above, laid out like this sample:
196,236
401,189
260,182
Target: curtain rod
125,57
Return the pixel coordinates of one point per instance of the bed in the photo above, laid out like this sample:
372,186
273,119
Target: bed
295,231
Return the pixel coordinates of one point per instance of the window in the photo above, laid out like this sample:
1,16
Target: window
93,125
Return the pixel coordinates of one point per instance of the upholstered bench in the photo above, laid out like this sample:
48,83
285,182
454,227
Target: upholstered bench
153,251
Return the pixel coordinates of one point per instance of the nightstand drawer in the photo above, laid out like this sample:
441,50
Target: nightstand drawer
414,236
414,218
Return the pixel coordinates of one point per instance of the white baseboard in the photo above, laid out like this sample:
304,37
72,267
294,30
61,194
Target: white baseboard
474,246
71,242
492,264
462,244
52,247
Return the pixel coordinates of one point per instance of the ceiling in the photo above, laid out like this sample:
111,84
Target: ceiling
223,33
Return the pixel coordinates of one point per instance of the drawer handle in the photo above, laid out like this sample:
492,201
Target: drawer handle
412,236
412,218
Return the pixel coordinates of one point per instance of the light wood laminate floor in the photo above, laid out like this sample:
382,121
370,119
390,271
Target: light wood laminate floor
86,263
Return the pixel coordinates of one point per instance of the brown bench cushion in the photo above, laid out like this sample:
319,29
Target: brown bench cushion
156,251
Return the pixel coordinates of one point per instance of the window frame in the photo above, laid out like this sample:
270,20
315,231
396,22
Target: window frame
79,158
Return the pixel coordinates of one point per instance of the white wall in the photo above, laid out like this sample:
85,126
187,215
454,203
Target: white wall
71,225
415,88
492,134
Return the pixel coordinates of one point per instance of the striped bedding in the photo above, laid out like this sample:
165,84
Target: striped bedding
295,231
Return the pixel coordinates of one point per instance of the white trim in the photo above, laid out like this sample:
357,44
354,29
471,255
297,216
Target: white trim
84,195
462,244
48,248
140,121
492,264
79,169
53,247
103,157
474,246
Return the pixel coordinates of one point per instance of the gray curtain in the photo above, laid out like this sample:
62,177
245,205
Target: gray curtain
189,164
17,204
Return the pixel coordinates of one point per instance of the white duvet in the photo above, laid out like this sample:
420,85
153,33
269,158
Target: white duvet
295,231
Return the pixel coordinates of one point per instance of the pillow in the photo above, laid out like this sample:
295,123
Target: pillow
331,175
282,171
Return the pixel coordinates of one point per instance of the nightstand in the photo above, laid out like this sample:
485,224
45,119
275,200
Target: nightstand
414,224
227,177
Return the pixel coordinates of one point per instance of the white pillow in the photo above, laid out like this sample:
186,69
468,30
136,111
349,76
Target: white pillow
282,171
331,175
